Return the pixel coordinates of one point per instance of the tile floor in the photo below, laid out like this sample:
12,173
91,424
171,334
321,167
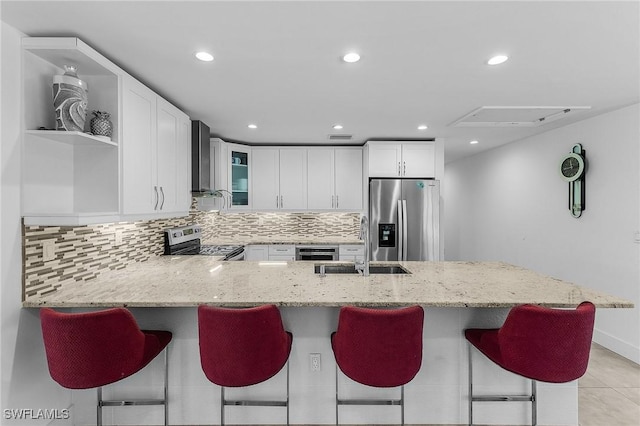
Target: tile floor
609,393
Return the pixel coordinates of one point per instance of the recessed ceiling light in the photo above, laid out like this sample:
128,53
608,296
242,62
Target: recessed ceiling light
498,59
204,56
252,126
473,142
351,57
337,127
422,127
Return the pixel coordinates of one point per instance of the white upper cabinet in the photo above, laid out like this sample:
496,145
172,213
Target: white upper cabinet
321,179
416,159
76,178
335,179
239,164
174,160
155,154
140,193
265,189
279,178
349,179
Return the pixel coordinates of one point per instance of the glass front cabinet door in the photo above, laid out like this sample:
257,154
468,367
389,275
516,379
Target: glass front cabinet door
239,175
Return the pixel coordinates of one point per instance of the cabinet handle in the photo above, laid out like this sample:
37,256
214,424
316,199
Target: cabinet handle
155,188
399,174
277,202
337,202
281,203
162,192
405,167
332,201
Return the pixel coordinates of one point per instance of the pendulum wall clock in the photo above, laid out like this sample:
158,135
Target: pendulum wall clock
573,169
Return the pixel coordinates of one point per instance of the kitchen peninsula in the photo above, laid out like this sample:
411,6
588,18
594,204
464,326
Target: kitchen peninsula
163,292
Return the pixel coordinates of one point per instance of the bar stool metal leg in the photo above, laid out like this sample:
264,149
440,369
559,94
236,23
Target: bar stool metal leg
166,386
99,409
534,404
470,386
501,398
250,403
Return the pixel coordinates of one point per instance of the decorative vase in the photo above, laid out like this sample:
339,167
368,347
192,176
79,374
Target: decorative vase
70,100
100,124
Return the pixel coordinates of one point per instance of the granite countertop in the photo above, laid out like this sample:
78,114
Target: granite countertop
193,280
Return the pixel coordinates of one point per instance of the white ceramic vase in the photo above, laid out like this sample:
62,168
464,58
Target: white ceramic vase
70,97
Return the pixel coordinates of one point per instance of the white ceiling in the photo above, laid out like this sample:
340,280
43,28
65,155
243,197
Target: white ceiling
277,64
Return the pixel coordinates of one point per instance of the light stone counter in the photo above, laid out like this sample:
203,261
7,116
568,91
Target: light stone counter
182,281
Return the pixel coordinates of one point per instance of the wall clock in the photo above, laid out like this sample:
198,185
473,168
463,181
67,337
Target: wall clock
573,168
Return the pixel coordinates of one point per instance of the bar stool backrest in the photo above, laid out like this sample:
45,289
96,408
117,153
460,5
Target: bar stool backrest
92,349
242,347
550,345
379,347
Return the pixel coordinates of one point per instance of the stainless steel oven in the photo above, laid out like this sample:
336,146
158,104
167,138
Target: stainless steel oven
316,252
186,241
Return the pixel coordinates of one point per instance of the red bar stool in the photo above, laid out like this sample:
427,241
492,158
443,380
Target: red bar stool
541,344
380,348
243,347
94,349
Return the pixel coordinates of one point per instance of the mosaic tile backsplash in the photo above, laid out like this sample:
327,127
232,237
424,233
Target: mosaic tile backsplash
84,252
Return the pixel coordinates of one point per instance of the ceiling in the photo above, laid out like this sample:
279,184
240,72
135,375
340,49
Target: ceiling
278,64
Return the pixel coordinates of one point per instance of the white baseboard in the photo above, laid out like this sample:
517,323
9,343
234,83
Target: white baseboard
618,346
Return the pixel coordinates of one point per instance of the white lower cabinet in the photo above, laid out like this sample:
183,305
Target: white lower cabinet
282,252
351,252
256,252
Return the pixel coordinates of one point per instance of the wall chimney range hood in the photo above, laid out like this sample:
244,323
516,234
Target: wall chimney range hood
200,159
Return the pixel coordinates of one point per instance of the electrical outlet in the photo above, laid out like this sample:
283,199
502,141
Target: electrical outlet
118,238
314,362
48,250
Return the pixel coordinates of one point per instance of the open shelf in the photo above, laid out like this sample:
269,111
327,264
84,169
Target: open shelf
72,138
69,177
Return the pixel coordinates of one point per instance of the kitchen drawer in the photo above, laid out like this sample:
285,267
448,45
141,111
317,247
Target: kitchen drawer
351,252
282,250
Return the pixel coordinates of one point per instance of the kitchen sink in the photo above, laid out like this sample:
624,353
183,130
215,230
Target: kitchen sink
351,269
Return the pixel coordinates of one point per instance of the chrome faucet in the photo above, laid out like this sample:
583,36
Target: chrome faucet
364,236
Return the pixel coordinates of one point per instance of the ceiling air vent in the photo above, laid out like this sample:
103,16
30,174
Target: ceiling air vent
516,116
340,137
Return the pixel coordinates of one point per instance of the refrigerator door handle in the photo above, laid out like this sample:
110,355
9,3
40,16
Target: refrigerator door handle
400,231
405,236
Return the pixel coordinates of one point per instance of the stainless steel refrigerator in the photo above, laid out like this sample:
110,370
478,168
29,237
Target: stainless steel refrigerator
404,217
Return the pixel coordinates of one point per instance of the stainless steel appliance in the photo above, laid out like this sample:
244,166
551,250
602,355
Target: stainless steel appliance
314,252
404,219
186,241
200,158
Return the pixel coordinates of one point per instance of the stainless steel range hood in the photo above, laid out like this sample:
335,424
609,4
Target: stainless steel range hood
200,159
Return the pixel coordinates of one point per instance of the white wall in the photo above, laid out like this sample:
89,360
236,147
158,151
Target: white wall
510,204
23,364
